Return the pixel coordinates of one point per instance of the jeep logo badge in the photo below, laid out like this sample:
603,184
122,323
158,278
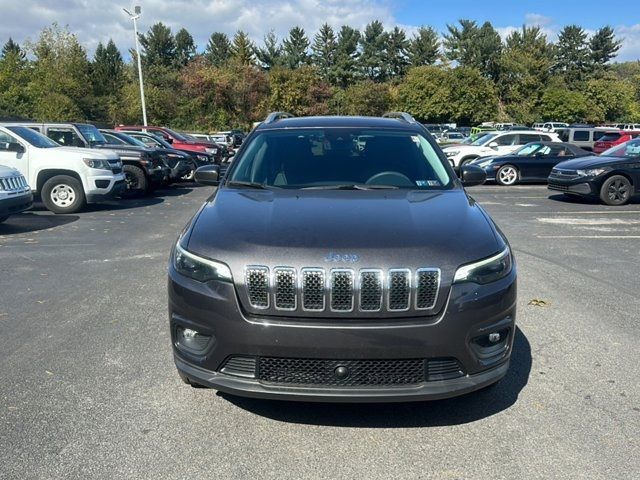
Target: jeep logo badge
338,258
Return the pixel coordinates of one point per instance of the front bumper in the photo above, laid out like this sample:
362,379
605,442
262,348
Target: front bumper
575,187
103,187
471,312
15,205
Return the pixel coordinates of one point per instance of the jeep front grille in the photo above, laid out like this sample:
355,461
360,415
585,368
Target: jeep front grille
342,290
13,184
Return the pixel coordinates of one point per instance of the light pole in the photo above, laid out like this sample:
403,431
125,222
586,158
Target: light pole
135,16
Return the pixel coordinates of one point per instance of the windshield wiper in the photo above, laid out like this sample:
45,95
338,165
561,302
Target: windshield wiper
352,186
246,185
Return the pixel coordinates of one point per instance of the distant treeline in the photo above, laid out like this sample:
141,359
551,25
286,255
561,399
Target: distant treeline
467,75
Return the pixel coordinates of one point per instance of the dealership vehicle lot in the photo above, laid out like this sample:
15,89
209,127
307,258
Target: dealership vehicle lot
89,387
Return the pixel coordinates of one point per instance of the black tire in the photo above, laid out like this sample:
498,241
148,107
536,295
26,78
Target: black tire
63,194
135,180
507,175
616,190
2,219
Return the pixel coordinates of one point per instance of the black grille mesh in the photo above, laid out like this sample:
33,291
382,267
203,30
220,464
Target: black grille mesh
399,289
313,289
285,288
371,291
342,290
258,286
306,371
427,288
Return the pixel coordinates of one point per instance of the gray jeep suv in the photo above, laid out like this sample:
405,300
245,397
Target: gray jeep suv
341,260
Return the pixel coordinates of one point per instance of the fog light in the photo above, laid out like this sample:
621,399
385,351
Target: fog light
494,337
191,340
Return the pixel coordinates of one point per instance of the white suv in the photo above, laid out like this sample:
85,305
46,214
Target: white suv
495,143
66,178
15,194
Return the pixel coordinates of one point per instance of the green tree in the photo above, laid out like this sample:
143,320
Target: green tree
472,96
185,48
373,44
425,92
603,47
158,46
572,55
299,91
107,69
347,56
242,49
218,50
613,97
14,78
296,47
366,98
424,47
565,105
397,53
475,47
271,55
59,84
324,52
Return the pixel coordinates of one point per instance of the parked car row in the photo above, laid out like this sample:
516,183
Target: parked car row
69,165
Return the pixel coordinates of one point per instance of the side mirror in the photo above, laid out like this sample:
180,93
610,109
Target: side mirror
12,147
493,145
472,175
168,140
208,175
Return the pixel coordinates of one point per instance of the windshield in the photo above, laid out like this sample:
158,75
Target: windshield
483,140
176,135
34,138
341,157
91,134
527,150
150,140
627,149
130,140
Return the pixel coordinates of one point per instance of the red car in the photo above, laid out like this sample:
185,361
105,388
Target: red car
613,138
178,141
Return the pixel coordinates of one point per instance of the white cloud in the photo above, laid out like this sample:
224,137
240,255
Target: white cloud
537,19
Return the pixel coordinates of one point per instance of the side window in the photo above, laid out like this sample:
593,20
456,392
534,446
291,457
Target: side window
506,140
65,136
6,138
113,139
581,135
146,140
528,138
597,134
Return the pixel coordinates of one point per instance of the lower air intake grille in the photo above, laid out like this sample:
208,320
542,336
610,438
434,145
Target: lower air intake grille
443,369
360,373
240,367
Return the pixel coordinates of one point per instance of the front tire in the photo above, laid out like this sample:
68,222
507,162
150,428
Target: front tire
507,175
63,194
616,190
135,180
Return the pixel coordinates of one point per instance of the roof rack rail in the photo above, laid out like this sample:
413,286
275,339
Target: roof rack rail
400,116
275,116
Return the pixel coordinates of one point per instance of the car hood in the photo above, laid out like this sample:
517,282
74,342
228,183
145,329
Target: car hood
8,172
593,161
382,229
88,153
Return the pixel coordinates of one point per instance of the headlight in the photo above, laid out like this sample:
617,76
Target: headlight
202,158
212,151
487,270
199,268
452,153
592,172
99,164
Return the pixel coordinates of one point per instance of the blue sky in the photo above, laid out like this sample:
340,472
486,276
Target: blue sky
24,19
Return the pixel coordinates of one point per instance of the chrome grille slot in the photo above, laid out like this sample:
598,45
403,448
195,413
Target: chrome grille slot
257,282
371,290
427,286
313,289
11,184
399,290
284,280
342,290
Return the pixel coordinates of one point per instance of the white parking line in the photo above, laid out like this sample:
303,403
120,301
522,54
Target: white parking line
605,237
588,221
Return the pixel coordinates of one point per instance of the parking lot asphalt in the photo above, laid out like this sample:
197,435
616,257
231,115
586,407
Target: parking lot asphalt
88,388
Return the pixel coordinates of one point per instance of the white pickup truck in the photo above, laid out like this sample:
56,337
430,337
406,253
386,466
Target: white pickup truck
66,178
15,194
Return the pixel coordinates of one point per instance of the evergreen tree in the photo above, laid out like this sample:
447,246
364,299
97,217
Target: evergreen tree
397,58
185,48
424,47
604,46
373,44
271,55
296,48
12,49
572,56
218,50
242,49
158,46
347,56
14,79
107,69
324,48
474,47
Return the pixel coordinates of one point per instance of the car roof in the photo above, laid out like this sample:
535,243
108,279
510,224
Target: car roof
340,122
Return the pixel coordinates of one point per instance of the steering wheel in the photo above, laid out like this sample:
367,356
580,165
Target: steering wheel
390,178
